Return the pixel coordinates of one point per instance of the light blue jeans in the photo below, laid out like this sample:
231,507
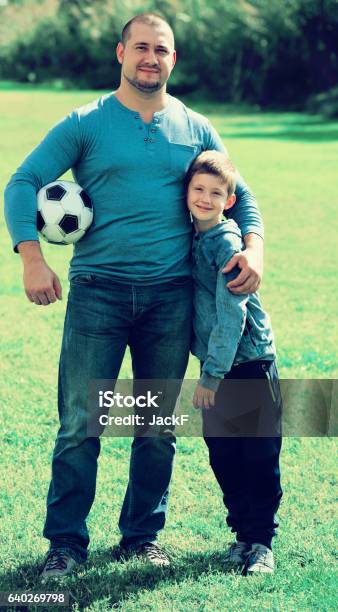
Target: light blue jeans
102,318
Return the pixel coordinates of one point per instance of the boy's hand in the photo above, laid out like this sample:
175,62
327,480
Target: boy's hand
203,398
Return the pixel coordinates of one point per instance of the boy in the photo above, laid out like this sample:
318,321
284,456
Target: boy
234,342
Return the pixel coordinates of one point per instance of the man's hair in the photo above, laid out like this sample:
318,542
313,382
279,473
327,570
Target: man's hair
151,19
216,163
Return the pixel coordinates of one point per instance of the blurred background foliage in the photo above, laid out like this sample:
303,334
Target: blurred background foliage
264,52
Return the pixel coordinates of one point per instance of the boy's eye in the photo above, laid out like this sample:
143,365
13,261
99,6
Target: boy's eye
198,188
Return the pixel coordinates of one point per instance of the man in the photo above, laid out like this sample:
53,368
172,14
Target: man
129,276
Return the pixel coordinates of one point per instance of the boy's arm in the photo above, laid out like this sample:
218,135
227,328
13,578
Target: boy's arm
225,335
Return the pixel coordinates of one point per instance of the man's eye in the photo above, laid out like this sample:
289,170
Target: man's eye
140,48
162,51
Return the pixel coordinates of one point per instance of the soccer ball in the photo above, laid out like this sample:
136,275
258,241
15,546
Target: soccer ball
65,211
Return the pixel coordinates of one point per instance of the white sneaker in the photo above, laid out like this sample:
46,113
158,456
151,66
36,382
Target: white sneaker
58,563
236,555
259,560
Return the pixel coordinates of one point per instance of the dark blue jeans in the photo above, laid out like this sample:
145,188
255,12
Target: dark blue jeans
102,318
247,466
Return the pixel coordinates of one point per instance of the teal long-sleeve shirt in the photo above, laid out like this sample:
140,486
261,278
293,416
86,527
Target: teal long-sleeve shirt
133,172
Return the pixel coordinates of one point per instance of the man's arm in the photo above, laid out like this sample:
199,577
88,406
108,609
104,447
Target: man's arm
248,217
250,262
59,151
41,284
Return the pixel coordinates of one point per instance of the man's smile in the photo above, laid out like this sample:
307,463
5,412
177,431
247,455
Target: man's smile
149,70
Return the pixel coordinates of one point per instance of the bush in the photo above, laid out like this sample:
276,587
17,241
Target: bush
325,103
233,50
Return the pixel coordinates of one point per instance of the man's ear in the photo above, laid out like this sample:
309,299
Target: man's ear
174,58
230,202
120,52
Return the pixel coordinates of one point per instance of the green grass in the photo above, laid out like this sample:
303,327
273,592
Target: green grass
289,160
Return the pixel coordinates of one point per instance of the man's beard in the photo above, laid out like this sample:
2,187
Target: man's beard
144,86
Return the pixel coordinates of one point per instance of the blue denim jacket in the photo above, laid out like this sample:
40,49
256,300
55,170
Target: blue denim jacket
228,329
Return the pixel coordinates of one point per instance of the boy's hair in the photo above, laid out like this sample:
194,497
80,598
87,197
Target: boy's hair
216,163
151,19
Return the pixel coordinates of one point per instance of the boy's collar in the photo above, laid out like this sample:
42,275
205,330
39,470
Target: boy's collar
215,228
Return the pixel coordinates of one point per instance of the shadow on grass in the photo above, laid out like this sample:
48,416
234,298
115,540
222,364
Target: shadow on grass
104,578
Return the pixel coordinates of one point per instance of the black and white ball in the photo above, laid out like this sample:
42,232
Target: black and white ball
65,212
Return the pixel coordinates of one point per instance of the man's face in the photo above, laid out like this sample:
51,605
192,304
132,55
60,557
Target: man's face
148,56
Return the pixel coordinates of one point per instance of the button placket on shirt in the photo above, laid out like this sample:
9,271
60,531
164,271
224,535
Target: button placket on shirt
137,118
149,132
142,128
152,130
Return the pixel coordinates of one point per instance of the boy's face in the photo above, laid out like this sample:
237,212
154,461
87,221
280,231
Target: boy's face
207,198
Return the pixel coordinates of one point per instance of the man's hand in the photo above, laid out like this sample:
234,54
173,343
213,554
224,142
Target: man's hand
41,284
250,262
203,398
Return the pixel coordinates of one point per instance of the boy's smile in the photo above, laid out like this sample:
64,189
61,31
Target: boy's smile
207,199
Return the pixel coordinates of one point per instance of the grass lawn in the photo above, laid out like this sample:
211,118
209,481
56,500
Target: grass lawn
290,162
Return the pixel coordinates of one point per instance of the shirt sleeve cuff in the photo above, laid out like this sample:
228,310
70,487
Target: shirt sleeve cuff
253,229
210,382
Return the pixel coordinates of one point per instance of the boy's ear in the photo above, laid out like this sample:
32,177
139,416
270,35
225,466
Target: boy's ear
230,202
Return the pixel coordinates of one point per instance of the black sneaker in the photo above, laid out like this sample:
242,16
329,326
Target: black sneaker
149,552
58,563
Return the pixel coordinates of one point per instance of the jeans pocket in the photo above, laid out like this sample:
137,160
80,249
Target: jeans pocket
83,279
271,373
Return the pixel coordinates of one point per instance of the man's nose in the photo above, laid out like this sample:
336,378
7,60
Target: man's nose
151,57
